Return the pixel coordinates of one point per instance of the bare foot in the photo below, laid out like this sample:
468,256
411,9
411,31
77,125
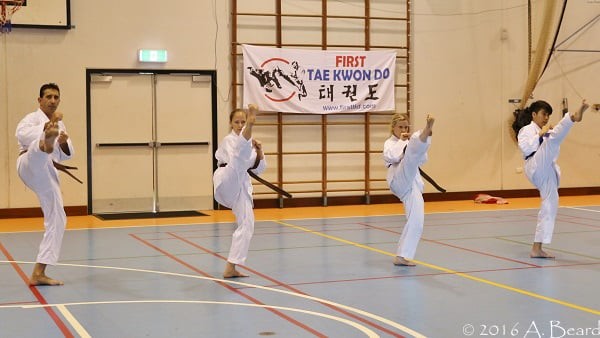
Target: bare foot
428,130
251,115
231,272
540,254
430,121
43,280
250,120
50,135
578,115
234,274
401,261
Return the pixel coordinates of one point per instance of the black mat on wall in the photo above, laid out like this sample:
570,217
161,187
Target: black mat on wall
139,215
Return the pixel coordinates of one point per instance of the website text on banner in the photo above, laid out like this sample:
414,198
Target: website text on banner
319,82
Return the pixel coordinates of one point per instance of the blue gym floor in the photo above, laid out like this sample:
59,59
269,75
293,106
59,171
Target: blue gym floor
330,277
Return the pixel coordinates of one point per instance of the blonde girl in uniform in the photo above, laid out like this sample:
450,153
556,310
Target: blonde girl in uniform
403,153
237,153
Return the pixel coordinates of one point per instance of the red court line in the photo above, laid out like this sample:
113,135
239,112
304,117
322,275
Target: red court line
289,287
559,218
255,234
436,274
457,247
61,325
578,217
230,288
408,276
325,228
433,223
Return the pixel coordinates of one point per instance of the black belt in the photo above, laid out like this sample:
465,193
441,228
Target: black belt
61,167
431,181
529,156
262,180
425,176
428,179
541,139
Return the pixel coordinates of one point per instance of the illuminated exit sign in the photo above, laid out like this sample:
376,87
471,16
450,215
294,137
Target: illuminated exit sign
152,55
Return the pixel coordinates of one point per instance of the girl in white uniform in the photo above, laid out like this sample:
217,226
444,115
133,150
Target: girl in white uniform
43,138
540,144
403,153
237,153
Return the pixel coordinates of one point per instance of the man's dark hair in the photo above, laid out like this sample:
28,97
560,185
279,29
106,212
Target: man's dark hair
48,86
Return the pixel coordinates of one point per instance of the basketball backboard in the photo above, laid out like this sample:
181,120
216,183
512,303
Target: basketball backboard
43,14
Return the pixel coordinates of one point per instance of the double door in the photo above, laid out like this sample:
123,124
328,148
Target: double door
150,141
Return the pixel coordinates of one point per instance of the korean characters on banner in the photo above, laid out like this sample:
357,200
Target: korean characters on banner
319,82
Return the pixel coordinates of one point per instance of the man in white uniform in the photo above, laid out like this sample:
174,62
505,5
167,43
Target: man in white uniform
403,153
540,144
42,139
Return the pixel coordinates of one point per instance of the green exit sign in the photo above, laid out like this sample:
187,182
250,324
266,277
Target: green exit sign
152,55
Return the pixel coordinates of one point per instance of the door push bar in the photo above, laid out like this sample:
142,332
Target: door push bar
151,144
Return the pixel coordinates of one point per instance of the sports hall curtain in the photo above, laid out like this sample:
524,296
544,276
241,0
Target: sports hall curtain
320,82
544,23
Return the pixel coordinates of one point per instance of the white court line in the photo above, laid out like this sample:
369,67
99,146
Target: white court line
316,299
583,209
74,322
368,332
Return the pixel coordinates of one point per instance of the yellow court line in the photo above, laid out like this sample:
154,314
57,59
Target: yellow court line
439,268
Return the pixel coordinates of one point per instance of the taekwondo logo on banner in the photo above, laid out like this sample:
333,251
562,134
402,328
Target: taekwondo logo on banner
320,82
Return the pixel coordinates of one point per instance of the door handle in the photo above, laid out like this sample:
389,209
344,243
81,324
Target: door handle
151,144
200,143
124,144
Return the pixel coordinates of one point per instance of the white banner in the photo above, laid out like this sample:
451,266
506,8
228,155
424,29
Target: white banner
319,82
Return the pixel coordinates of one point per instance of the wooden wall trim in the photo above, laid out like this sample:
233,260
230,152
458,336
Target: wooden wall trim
428,197
81,210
